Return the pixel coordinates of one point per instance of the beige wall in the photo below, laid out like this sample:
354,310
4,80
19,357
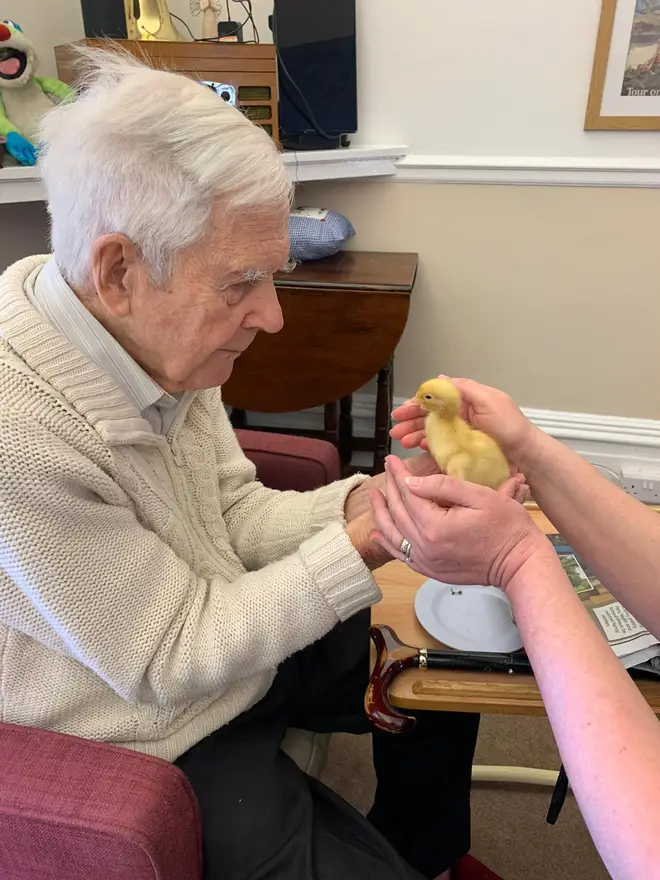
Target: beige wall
551,293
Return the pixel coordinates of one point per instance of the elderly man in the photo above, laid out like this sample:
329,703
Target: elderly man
154,595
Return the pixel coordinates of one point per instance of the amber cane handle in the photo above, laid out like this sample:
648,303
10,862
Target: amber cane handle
392,657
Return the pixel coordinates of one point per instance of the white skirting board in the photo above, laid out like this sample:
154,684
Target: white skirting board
623,444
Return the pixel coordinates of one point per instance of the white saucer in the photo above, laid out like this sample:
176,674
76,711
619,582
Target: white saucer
467,618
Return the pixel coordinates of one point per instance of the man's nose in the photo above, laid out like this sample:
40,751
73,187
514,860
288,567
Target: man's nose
267,312
5,33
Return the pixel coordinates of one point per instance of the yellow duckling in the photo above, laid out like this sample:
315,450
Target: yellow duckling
459,450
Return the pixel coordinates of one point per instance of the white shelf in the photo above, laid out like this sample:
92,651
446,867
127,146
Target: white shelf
23,184
20,185
346,164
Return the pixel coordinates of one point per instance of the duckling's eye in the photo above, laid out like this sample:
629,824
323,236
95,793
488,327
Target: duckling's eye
427,397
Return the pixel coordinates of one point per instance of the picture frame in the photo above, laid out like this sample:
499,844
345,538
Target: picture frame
625,82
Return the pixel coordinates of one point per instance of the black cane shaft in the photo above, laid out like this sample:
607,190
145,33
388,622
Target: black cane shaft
479,662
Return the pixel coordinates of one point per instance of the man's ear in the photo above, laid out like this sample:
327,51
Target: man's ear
116,265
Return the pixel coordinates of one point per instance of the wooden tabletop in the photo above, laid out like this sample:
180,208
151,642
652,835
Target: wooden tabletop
355,270
454,690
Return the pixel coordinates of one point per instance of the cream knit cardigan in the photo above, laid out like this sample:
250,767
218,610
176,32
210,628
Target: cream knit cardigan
150,586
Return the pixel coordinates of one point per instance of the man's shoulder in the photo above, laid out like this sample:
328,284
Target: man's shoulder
20,386
27,400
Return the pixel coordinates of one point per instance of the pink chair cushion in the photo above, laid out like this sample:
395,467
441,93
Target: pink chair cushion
285,462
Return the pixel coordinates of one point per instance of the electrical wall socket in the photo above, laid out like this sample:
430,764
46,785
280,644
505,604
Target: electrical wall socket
642,487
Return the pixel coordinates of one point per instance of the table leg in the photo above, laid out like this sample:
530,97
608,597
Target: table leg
238,418
384,403
331,423
346,430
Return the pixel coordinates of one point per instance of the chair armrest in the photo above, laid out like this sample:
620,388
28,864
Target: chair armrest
72,809
287,462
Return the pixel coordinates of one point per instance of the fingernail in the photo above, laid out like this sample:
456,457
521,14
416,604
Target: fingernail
414,482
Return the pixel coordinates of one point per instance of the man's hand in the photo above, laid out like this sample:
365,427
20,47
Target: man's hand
360,530
360,522
358,503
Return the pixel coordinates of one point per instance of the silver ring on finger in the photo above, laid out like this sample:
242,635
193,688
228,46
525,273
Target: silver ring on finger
406,550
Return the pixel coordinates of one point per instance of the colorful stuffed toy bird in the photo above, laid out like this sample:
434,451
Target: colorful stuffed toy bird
24,97
458,449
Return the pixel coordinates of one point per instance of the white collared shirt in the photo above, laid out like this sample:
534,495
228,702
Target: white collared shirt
58,304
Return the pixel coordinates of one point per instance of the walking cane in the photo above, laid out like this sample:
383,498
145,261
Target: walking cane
393,656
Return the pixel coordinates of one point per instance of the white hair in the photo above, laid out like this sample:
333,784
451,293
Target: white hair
148,154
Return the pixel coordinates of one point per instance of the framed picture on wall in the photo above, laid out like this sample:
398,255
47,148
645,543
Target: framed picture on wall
625,83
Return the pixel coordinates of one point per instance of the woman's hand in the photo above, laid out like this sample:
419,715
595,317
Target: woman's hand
460,533
487,409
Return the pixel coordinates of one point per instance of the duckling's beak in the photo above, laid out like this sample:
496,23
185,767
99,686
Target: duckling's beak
427,405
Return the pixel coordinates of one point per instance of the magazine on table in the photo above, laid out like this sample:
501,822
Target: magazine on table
629,640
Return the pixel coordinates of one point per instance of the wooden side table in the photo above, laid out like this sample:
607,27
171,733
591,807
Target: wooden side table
453,690
343,318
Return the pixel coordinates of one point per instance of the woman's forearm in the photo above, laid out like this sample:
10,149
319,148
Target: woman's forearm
607,735
616,535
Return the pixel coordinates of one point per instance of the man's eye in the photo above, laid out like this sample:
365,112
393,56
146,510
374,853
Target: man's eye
235,291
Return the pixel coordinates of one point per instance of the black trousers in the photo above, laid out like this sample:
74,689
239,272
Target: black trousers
262,817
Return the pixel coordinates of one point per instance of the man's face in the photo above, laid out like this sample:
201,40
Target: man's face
188,334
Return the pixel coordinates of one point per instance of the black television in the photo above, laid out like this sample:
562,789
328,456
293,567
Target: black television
317,69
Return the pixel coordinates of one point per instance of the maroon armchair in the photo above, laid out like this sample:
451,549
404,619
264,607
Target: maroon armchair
72,809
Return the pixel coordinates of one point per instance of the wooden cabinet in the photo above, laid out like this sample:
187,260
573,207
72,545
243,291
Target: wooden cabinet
251,69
